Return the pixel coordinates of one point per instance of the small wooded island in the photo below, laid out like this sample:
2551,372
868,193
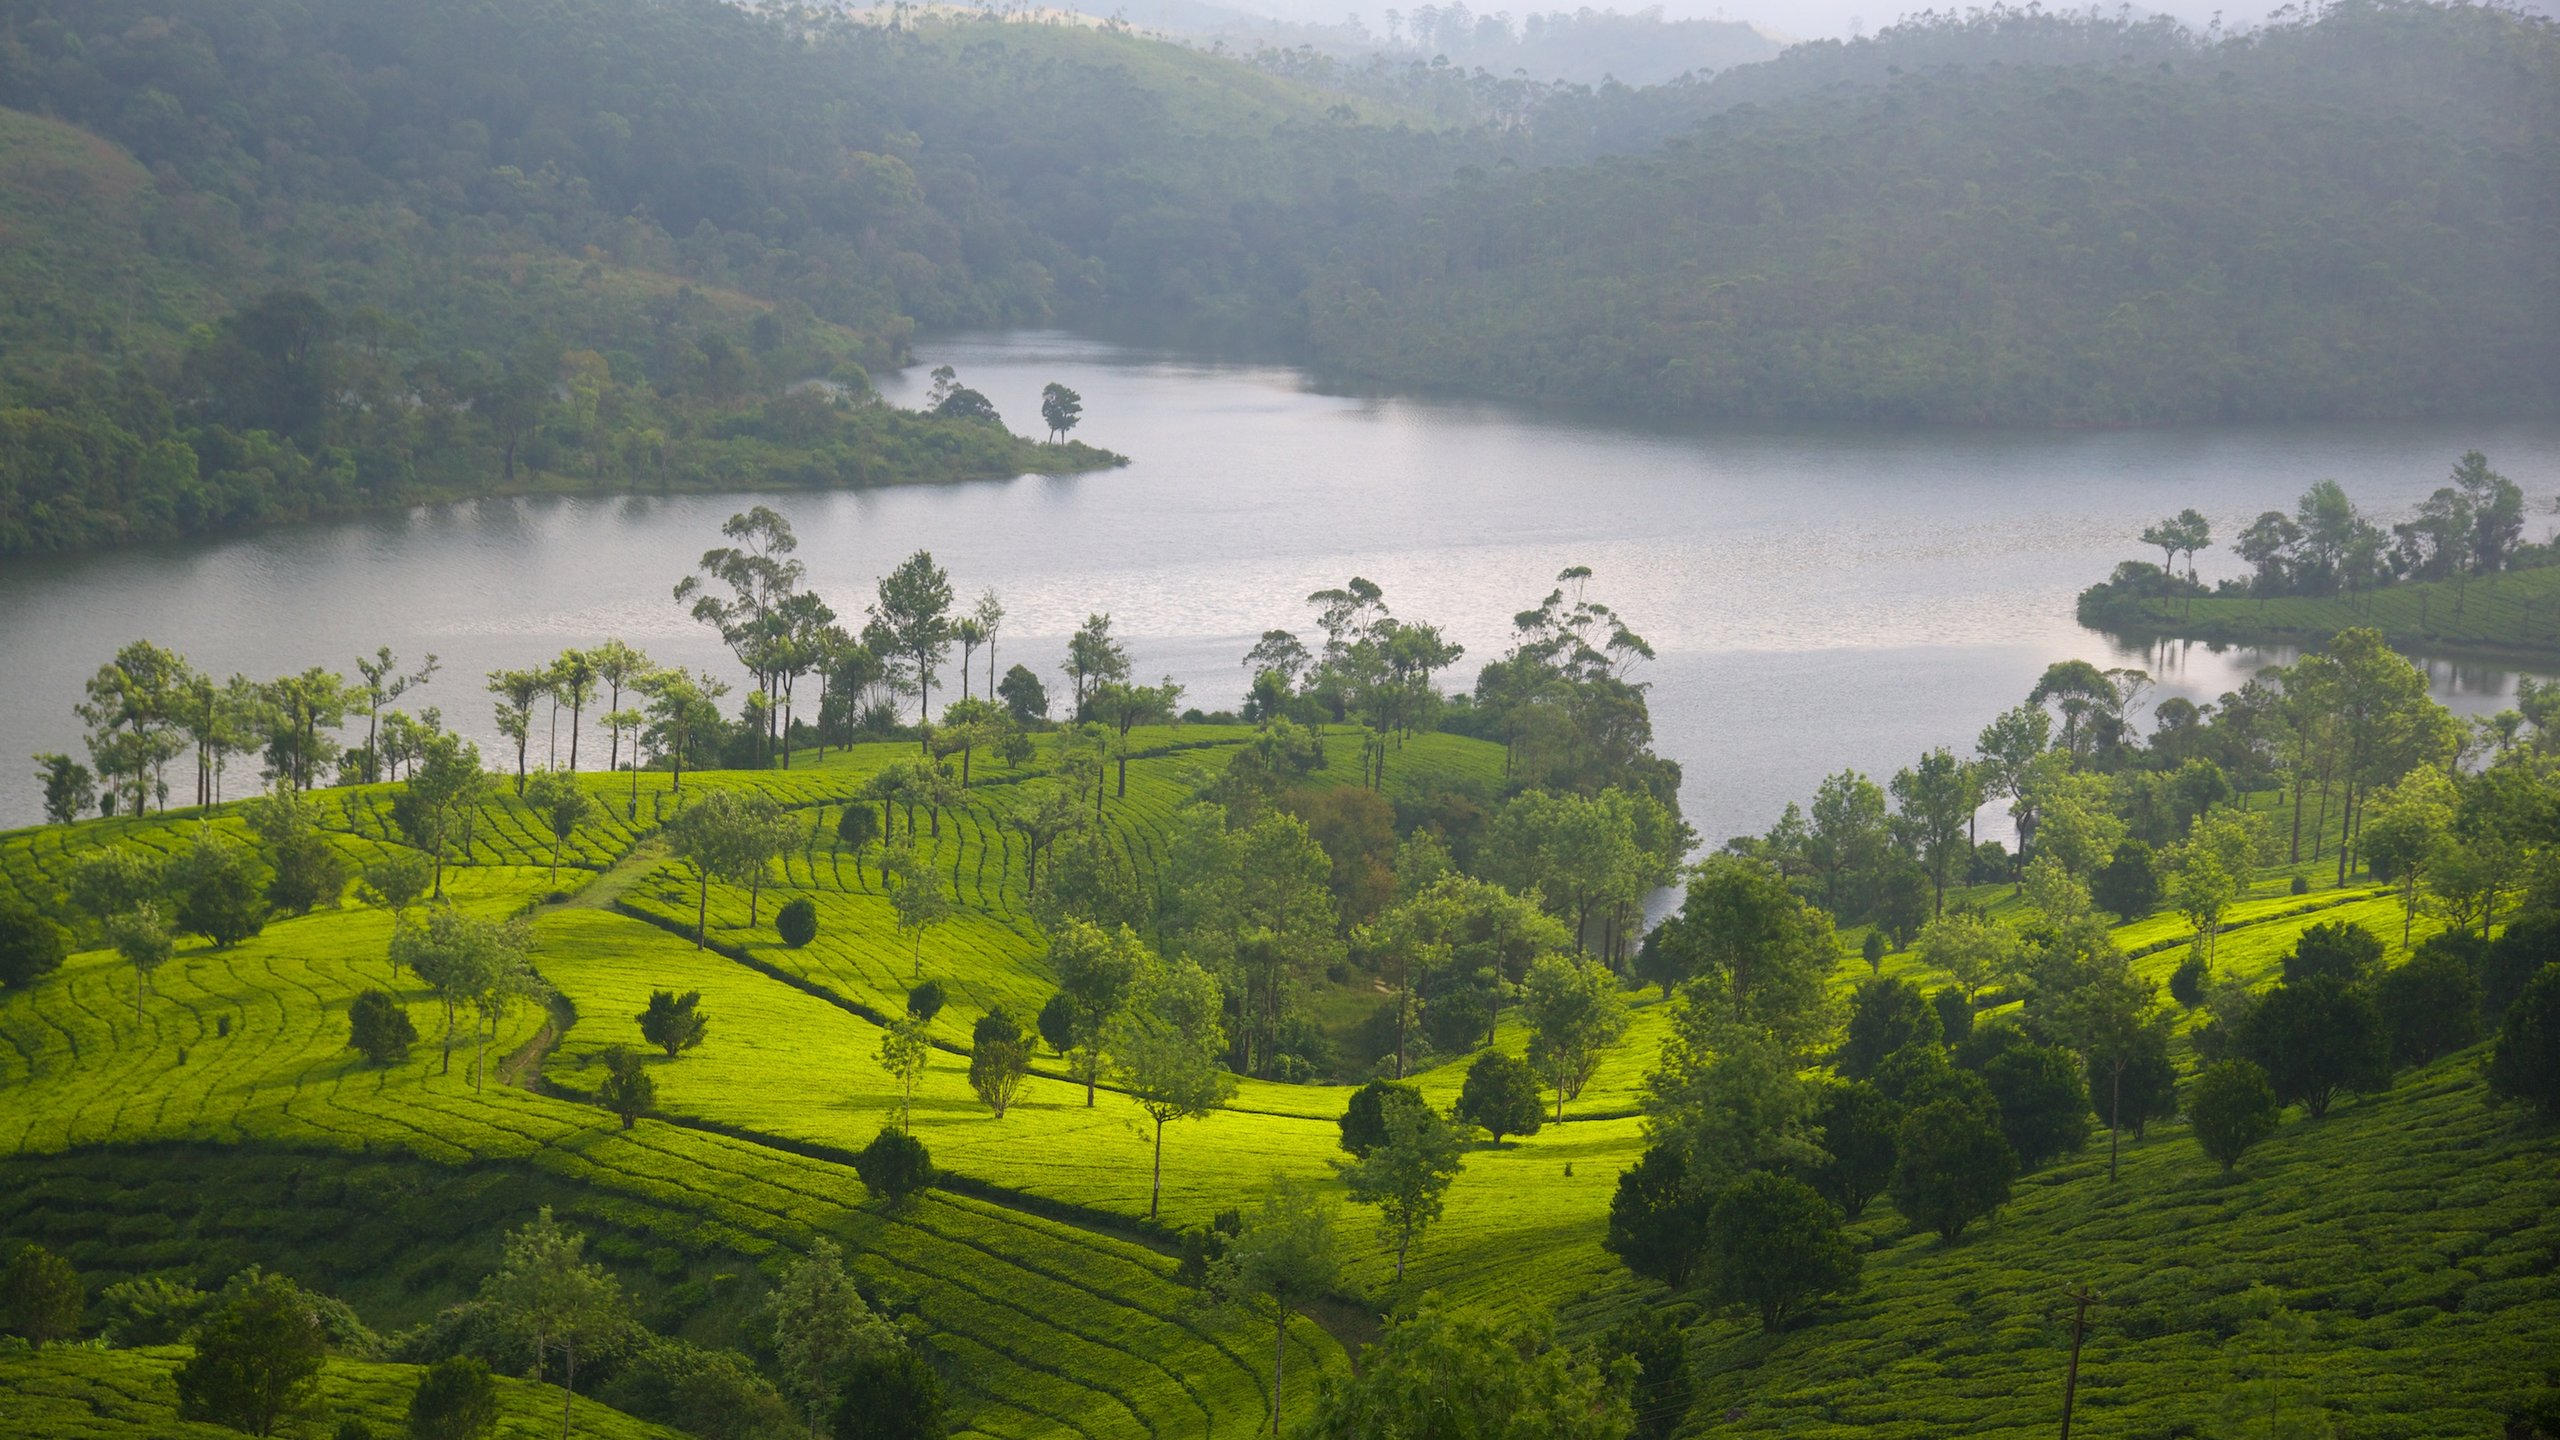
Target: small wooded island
2457,576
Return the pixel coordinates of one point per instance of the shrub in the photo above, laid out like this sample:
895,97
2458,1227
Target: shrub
2044,1102
1660,1350
1858,1122
2350,953
2526,1063
999,1056
379,1025
797,921
1773,1244
891,1396
2232,1107
1885,1016
2129,883
627,1090
257,1359
674,1023
1364,1119
894,1165
2521,952
2317,1040
2187,983
217,895
455,1400
31,947
858,826
2430,1006
1955,1014
39,1296
1954,1168
1500,1096
925,1001
1871,950
1657,1219
149,1310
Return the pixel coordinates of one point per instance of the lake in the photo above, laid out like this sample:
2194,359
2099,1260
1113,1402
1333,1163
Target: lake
1819,598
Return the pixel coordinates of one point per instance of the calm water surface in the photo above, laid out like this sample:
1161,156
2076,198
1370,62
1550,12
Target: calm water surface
1819,598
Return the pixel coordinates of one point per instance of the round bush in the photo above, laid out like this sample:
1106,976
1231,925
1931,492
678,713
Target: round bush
31,946
797,922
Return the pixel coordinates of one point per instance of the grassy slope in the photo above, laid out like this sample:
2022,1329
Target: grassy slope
2512,614
75,1394
1055,1329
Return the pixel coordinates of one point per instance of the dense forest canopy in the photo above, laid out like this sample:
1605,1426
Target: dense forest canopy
601,240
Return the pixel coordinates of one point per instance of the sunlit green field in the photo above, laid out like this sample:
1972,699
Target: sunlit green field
1044,1296
74,1394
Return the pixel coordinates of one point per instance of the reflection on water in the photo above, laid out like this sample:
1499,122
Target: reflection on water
1819,597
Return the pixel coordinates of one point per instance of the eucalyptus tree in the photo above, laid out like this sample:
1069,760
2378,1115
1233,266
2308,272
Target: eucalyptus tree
1164,1046
384,682
130,712
911,618
684,710
969,633
729,836
1061,409
618,667
573,683
759,576
69,789
1936,800
989,613
562,804
516,691
1123,707
1093,660
439,807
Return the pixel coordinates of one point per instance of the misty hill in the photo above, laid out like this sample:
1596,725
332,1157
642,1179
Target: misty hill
592,243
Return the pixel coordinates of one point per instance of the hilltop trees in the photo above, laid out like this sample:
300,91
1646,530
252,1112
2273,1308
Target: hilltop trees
1575,1014
911,624
1282,1257
257,1358
1095,969
548,1295
1407,1173
1164,1043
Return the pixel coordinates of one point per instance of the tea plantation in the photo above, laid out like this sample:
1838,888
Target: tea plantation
2390,1270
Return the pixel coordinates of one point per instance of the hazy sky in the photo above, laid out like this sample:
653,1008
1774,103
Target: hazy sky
1800,19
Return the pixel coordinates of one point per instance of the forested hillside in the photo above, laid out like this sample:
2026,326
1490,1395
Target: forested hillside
2351,215
271,260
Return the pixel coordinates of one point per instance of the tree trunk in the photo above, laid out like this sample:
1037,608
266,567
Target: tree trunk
568,1387
702,912
2115,1114
1279,1360
1155,1193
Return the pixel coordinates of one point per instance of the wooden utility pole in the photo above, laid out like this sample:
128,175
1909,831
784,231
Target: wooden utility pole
2081,1300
